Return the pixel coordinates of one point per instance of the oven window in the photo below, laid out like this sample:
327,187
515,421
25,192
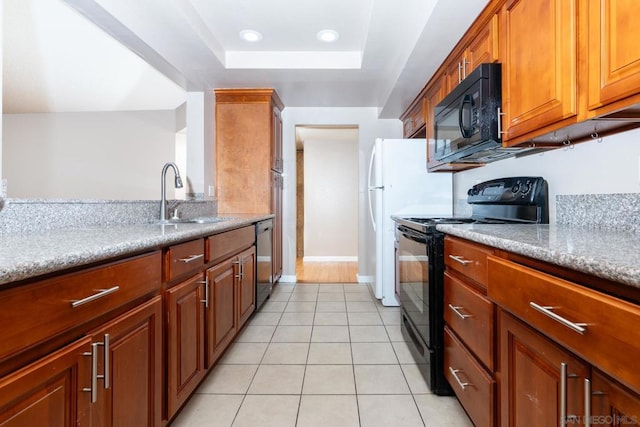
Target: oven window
413,279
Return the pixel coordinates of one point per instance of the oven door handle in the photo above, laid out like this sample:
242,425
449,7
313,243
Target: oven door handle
410,234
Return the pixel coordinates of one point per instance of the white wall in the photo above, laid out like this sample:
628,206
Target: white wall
103,155
611,166
330,200
370,127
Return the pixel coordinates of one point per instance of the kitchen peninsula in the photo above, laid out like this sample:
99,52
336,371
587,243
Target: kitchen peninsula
93,314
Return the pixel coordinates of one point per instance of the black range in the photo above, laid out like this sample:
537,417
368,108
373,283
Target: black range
420,262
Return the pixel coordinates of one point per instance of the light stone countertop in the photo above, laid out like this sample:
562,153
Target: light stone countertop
612,255
27,255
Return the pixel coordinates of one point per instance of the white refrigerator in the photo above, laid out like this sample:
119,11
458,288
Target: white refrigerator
399,184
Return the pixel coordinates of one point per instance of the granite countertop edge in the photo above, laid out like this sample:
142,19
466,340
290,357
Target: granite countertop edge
612,257
29,255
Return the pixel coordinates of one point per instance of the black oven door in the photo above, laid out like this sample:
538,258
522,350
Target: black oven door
415,287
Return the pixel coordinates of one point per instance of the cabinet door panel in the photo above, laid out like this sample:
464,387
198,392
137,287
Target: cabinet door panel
611,403
49,392
134,392
221,316
530,385
185,340
539,67
614,53
247,285
484,47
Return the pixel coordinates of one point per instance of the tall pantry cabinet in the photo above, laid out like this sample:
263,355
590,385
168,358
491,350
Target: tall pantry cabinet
248,159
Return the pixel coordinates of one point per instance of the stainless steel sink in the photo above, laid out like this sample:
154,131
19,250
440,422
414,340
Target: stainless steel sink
201,220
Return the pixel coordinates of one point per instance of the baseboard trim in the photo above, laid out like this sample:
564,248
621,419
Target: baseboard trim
288,279
365,279
329,259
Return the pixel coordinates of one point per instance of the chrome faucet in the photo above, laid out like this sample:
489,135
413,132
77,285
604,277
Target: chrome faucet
178,184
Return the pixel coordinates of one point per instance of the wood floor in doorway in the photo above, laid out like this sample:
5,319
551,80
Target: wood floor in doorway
326,272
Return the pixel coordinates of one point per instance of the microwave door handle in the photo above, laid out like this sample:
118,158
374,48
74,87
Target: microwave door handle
466,132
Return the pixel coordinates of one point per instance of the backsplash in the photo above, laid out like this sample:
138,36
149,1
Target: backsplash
601,211
27,215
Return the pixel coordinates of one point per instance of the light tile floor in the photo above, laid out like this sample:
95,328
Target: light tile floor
319,355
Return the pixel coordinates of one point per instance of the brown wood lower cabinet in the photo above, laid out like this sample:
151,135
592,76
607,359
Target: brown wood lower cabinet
473,385
50,392
611,403
246,284
185,340
541,383
109,378
221,318
130,393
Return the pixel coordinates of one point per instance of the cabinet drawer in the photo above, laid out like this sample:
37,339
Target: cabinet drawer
467,258
220,246
41,310
474,387
470,315
599,328
184,258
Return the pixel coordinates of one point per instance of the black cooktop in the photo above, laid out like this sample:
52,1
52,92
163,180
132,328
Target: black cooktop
513,200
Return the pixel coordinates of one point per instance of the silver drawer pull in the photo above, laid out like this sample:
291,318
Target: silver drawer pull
580,328
101,293
191,258
454,372
456,310
460,259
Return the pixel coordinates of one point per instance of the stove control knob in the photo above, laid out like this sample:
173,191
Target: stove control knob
515,188
526,188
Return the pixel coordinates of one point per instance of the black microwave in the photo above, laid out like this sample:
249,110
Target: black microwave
467,120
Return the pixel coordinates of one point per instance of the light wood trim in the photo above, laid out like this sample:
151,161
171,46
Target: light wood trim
248,96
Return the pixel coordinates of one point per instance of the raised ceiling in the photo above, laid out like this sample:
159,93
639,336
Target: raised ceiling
386,51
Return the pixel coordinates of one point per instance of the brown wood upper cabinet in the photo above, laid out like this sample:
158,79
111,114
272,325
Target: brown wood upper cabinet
538,51
413,121
614,53
482,48
248,134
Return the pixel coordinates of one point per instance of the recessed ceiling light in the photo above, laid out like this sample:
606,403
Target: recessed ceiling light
328,36
250,36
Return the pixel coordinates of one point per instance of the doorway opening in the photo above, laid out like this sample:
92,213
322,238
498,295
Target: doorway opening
327,203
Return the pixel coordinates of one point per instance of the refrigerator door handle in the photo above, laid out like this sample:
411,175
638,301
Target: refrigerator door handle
372,187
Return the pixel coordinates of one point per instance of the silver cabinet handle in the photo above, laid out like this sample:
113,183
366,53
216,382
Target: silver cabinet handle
205,282
101,293
456,310
191,258
459,73
240,264
587,402
500,114
107,363
563,394
464,68
94,373
580,328
460,259
454,372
